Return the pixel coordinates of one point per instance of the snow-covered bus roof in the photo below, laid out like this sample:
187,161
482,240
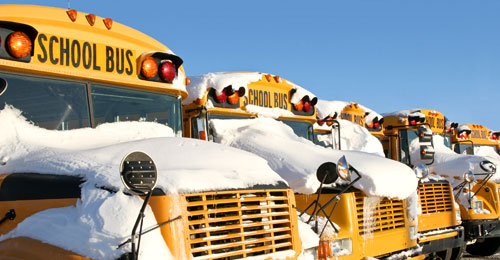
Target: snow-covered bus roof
297,159
220,80
327,108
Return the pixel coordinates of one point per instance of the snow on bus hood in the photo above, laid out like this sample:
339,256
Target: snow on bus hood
102,219
449,164
297,159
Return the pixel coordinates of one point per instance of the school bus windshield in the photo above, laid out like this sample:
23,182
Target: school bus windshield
63,104
302,129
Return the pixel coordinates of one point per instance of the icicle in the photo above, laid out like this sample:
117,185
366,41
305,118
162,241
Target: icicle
369,216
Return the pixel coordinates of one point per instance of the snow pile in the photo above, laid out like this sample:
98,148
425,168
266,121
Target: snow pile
297,159
406,113
358,138
300,93
102,219
449,164
218,81
330,108
180,81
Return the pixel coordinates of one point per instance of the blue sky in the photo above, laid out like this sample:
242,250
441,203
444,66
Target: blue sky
385,54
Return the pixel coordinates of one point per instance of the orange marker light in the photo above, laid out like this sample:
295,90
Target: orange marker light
277,79
149,67
268,77
203,135
188,81
72,14
19,45
91,19
108,22
299,106
234,98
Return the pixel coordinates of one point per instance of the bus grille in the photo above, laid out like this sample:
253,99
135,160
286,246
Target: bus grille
238,224
387,215
435,197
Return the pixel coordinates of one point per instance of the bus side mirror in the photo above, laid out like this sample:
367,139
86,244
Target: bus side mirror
138,173
327,173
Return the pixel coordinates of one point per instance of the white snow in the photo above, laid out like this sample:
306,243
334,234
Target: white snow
329,108
358,138
300,93
297,159
275,112
102,219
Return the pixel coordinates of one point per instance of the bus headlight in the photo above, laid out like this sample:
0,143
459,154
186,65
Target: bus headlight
341,247
477,205
413,232
458,216
421,171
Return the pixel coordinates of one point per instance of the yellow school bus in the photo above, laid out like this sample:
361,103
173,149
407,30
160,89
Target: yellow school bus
437,222
66,69
393,231
476,139
476,224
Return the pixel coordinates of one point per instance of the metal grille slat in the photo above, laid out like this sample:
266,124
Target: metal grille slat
435,197
388,215
238,224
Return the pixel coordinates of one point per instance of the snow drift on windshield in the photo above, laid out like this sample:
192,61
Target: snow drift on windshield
297,159
103,218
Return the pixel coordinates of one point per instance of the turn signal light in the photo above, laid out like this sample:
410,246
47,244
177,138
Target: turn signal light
149,68
324,250
307,107
167,70
19,44
233,99
299,106
329,121
203,135
221,98
229,95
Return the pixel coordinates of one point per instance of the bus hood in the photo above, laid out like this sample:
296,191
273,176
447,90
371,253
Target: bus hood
451,165
297,159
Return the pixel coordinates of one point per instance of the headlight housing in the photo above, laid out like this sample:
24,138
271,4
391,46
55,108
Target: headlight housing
421,171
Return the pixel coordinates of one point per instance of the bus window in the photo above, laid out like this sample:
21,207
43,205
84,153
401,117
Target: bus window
447,141
116,105
464,149
406,139
48,103
302,129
